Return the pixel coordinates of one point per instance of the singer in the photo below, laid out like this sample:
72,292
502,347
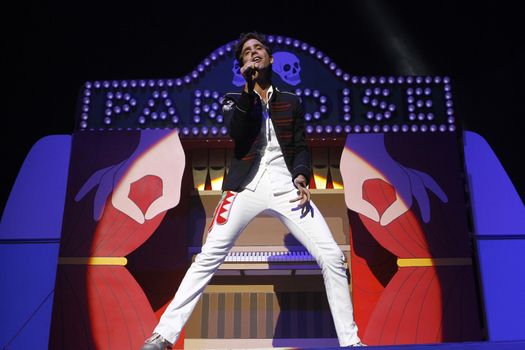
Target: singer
269,172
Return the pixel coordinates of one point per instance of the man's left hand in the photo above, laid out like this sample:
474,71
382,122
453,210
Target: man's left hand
304,194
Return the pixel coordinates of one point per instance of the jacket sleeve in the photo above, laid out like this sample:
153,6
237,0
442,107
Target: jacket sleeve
238,111
301,163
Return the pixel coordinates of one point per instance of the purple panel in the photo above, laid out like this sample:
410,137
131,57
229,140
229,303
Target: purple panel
502,268
27,277
497,207
35,206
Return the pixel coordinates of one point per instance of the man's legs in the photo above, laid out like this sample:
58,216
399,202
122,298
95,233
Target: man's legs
231,217
313,232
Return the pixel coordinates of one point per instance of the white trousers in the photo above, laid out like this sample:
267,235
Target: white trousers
233,214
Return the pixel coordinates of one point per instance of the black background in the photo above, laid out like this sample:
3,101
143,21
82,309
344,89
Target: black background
54,47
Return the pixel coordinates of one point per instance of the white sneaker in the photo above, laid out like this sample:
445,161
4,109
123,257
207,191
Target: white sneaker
156,342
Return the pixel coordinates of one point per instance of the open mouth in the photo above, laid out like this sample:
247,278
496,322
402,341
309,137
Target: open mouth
256,59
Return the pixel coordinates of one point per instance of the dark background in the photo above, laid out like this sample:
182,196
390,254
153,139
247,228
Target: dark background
54,47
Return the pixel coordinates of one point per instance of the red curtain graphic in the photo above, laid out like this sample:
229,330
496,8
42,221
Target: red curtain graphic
413,282
98,302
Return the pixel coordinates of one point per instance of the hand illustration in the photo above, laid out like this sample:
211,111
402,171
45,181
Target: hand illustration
365,157
159,153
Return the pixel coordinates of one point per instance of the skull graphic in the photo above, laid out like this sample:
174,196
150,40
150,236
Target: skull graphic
288,67
238,79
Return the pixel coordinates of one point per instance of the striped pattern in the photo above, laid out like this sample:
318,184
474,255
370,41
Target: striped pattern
260,315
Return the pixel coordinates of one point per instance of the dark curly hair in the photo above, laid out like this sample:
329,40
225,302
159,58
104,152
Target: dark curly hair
243,38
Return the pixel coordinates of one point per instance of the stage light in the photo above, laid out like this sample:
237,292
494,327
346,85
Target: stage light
450,111
151,83
419,103
220,118
319,54
373,80
346,100
84,116
383,105
421,116
163,115
117,109
195,131
433,128
154,115
346,77
430,116
450,120
400,80
449,103
212,114
196,119
328,128
309,129
346,108
357,128
366,128
85,108
410,91
304,46
386,128
442,128
207,62
169,82
185,131
451,127
414,128
132,102
105,84
175,119
296,43
410,80
346,117
279,39
142,119
317,115
338,72
387,114
187,79
323,109
338,129
348,128
312,50
214,130
391,107
395,128
370,115
418,91
308,117
307,92
423,128
404,128
151,103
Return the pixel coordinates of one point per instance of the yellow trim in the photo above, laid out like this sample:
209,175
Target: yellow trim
93,260
421,262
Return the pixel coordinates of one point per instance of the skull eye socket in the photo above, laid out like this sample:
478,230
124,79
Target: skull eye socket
286,67
296,64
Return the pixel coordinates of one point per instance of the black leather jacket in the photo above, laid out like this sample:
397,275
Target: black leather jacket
244,113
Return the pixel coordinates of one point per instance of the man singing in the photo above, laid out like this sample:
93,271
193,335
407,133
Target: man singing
268,173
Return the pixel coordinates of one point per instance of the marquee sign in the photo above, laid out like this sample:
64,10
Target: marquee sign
335,102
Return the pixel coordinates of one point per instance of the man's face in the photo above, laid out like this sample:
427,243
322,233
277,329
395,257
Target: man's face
253,51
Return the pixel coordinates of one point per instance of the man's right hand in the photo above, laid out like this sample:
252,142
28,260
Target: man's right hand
250,72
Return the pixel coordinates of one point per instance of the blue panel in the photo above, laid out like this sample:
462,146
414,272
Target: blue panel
27,277
497,207
502,268
35,206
